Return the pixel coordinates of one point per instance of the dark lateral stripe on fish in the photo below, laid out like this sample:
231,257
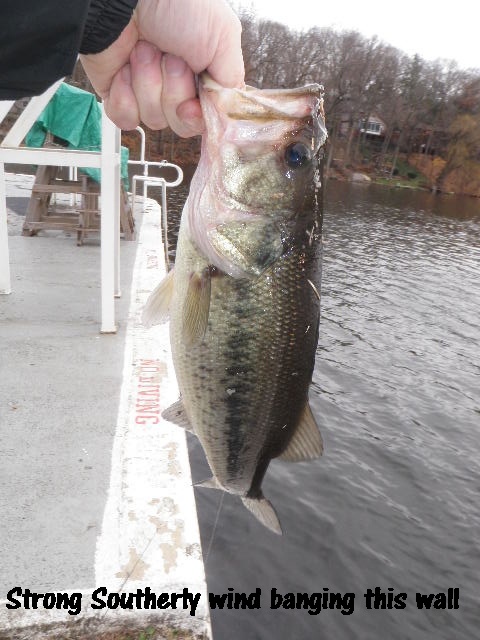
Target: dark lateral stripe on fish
238,382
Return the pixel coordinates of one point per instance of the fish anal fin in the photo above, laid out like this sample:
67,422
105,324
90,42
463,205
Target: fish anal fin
176,413
306,442
157,307
196,307
263,510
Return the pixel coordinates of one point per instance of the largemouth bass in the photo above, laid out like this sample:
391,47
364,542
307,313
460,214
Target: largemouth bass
243,298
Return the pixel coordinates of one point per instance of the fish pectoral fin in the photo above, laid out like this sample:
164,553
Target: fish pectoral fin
176,413
306,442
263,510
197,307
209,483
157,307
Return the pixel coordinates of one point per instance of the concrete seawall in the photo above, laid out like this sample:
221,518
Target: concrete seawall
96,486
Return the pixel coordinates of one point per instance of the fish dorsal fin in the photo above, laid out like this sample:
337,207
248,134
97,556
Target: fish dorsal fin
263,510
196,307
176,413
306,442
157,308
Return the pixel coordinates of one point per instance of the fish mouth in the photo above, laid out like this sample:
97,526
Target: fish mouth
251,184
251,103
248,116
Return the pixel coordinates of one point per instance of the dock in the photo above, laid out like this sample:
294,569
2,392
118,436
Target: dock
96,496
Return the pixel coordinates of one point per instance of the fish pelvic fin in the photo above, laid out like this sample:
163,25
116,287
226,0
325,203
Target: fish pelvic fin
263,510
306,442
197,307
157,307
176,413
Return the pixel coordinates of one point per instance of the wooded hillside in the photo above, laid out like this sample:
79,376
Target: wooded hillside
425,108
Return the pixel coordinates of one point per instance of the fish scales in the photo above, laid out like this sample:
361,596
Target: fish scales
243,296
253,369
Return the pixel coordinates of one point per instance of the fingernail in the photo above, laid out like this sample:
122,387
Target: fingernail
175,66
144,52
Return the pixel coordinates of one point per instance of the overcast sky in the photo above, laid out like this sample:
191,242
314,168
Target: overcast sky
430,28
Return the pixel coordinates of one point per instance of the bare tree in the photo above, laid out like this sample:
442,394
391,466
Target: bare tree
417,100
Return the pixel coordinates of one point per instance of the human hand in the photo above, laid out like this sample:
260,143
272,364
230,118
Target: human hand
147,74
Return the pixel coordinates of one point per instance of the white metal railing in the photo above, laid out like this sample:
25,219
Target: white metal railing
107,160
154,181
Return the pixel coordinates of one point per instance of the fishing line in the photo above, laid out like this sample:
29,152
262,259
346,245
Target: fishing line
121,587
149,542
199,483
214,526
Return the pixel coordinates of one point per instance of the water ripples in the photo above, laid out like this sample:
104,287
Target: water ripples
394,502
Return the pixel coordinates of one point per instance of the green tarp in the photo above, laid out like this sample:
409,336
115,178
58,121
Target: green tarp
75,116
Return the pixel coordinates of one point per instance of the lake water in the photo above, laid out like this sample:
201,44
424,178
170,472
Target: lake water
394,503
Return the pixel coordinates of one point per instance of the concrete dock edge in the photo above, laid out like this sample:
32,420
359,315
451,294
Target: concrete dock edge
150,540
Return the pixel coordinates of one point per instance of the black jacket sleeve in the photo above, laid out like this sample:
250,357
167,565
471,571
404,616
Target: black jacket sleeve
40,39
105,21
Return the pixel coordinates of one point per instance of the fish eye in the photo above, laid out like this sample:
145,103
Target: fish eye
297,155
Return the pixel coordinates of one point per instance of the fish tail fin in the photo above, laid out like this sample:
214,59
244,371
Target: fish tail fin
263,510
